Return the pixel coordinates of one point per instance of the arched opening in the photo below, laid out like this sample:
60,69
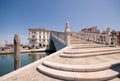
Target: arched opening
52,46
40,45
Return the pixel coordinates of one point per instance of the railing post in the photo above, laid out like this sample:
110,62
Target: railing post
67,33
67,39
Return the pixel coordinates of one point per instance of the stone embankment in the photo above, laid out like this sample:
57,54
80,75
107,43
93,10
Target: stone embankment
25,51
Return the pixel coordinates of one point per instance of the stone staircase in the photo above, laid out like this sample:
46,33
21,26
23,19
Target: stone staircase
99,72
82,46
78,54
91,72
74,40
78,71
78,76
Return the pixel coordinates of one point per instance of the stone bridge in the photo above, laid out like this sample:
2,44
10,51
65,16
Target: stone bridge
80,57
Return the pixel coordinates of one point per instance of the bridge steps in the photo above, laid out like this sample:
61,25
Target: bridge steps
95,68
83,47
86,60
78,76
88,54
95,65
115,79
84,72
81,68
74,40
78,53
79,46
75,51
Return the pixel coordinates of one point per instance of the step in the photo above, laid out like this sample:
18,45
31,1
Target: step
78,76
91,51
85,44
87,54
79,42
88,47
79,68
115,79
76,39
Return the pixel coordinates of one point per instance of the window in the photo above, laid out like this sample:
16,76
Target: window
33,41
39,37
33,36
33,32
43,40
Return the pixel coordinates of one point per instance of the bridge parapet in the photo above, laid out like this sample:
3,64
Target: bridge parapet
59,36
61,39
108,38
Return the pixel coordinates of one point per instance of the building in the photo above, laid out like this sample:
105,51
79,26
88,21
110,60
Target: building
118,38
91,30
38,37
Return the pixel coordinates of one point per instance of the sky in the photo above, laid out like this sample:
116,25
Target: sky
17,16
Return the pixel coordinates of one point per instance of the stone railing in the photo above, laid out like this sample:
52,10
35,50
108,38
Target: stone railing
59,36
95,37
63,37
60,39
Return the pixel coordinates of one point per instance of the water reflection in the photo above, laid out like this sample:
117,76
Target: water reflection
36,56
7,61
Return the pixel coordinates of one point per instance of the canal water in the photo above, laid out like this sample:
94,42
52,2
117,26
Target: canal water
7,61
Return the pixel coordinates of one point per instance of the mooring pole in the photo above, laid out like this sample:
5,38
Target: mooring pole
16,52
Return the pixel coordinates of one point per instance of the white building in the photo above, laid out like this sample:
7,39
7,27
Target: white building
38,37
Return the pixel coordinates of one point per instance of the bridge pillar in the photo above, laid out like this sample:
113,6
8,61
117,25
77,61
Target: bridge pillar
67,33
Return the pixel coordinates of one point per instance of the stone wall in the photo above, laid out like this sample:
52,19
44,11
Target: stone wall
58,43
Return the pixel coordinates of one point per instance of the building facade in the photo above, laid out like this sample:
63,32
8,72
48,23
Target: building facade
91,30
118,38
38,37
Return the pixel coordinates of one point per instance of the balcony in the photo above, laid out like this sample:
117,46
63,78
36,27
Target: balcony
30,38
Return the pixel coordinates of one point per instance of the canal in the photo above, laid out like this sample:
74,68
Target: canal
7,61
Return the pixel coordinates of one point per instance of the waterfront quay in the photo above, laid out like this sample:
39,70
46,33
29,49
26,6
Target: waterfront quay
25,51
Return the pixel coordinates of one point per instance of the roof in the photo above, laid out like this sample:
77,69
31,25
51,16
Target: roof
38,29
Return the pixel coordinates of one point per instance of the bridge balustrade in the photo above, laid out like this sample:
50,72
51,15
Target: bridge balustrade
59,36
94,37
91,37
62,36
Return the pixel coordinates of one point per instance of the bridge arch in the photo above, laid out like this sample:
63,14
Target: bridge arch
52,45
